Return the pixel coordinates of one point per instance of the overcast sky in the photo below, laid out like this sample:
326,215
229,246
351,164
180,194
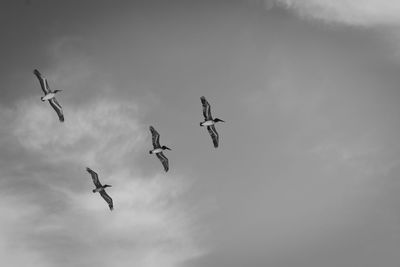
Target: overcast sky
307,172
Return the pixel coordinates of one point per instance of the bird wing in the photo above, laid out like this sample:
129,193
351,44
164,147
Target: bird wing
163,160
43,82
206,109
95,177
107,198
214,134
155,137
57,107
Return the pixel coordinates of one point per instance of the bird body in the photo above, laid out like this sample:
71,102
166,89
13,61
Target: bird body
48,96
207,123
158,149
100,188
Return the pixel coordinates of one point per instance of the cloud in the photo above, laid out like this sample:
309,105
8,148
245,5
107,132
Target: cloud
98,133
351,12
53,218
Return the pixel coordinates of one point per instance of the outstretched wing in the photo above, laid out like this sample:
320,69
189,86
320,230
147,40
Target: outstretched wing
43,82
214,135
95,177
107,198
163,160
206,109
155,137
57,107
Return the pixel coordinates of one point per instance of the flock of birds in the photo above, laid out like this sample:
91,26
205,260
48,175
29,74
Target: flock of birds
209,122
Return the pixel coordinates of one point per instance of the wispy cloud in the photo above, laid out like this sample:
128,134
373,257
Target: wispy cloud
99,132
352,12
63,222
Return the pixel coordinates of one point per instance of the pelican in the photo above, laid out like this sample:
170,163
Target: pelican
158,150
100,188
209,121
49,95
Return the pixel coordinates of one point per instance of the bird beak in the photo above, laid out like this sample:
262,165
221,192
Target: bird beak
169,148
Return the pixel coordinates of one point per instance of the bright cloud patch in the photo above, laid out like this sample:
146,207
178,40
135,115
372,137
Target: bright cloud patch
63,222
101,129
353,12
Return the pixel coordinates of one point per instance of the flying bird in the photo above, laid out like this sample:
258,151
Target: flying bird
100,188
209,121
158,150
49,95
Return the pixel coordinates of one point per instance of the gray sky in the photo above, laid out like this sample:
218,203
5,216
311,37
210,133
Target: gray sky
307,172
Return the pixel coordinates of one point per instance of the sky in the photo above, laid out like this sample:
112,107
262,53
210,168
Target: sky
307,171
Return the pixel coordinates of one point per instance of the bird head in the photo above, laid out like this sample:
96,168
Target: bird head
218,120
165,147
